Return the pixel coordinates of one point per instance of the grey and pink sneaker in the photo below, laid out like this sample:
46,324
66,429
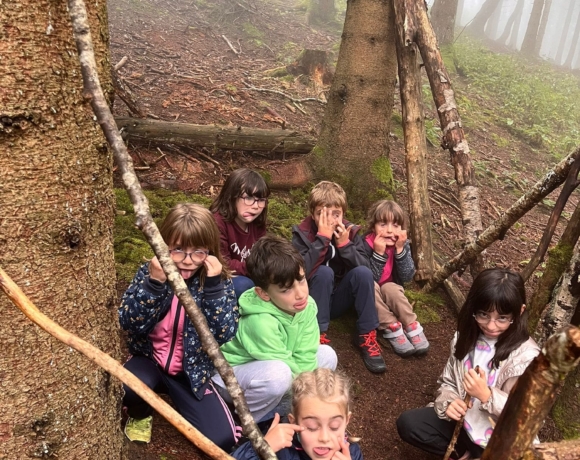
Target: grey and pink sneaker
396,337
416,336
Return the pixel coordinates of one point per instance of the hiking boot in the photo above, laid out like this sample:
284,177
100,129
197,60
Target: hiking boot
324,340
414,333
139,430
396,337
371,352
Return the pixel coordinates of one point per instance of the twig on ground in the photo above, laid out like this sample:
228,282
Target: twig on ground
236,52
121,63
293,99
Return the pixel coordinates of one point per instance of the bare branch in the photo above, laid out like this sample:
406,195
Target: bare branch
144,221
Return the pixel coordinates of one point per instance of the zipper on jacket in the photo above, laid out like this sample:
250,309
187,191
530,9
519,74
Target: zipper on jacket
173,337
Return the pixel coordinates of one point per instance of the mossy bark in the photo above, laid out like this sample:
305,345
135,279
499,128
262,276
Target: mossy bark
56,242
353,146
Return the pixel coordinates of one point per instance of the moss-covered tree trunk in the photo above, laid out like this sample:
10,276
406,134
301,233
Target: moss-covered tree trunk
353,147
56,220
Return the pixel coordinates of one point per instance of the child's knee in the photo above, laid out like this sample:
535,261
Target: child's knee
323,274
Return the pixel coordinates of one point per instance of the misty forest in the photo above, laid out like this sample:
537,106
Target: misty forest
464,112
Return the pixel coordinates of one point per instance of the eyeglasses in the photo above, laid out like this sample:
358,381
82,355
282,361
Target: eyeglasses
199,255
250,200
484,318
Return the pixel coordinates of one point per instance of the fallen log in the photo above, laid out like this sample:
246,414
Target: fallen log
215,137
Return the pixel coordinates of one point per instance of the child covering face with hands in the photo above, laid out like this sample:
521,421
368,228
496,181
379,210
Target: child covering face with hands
317,428
392,265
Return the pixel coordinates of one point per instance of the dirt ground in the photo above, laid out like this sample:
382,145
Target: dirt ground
180,67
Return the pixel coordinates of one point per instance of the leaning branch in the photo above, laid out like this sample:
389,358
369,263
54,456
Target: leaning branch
144,221
453,136
102,359
569,186
538,192
532,396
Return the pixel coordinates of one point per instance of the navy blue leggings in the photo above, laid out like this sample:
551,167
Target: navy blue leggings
208,412
356,289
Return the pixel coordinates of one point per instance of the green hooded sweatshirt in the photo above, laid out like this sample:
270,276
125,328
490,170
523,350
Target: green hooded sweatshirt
267,333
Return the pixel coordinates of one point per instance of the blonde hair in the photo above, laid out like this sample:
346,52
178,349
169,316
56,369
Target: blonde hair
324,384
328,194
192,225
385,211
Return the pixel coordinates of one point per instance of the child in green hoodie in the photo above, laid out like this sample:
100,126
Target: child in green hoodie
278,336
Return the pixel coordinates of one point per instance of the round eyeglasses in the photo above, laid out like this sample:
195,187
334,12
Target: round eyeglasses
484,318
250,200
199,255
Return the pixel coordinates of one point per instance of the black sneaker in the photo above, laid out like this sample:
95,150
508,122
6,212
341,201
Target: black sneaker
371,352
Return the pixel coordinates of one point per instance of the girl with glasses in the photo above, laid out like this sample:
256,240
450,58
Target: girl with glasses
492,333
165,349
240,213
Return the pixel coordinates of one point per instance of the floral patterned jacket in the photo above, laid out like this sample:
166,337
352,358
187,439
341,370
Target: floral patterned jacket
147,301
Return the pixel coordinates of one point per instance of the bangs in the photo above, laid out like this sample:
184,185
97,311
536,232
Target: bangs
390,215
286,275
501,301
255,186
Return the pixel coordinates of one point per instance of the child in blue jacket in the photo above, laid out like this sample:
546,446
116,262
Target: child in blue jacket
165,347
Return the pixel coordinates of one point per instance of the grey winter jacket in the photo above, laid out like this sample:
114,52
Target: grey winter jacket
403,266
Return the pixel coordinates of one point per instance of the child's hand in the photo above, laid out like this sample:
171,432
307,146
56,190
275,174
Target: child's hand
380,245
456,409
325,223
344,452
341,234
400,243
280,434
476,385
155,271
213,266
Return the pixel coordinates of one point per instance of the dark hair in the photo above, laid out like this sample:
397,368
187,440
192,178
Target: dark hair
192,225
274,260
385,211
494,289
241,181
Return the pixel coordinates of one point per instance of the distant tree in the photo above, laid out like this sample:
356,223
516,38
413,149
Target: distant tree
353,146
443,19
531,36
513,24
565,32
57,210
459,15
542,29
477,26
573,44
320,11
492,26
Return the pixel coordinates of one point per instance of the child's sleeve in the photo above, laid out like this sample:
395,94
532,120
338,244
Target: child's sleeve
313,254
304,354
448,390
377,263
245,452
220,308
142,303
404,265
354,254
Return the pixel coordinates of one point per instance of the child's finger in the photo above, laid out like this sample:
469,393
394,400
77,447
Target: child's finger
275,422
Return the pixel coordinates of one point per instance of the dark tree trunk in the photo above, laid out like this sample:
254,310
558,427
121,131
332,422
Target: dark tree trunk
443,19
477,26
492,26
353,146
574,44
415,147
542,29
320,11
565,32
531,36
514,18
513,41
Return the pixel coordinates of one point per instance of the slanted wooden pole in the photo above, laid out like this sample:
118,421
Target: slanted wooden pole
145,223
420,31
533,395
18,298
415,147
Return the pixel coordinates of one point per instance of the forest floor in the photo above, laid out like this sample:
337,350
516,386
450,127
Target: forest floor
181,69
